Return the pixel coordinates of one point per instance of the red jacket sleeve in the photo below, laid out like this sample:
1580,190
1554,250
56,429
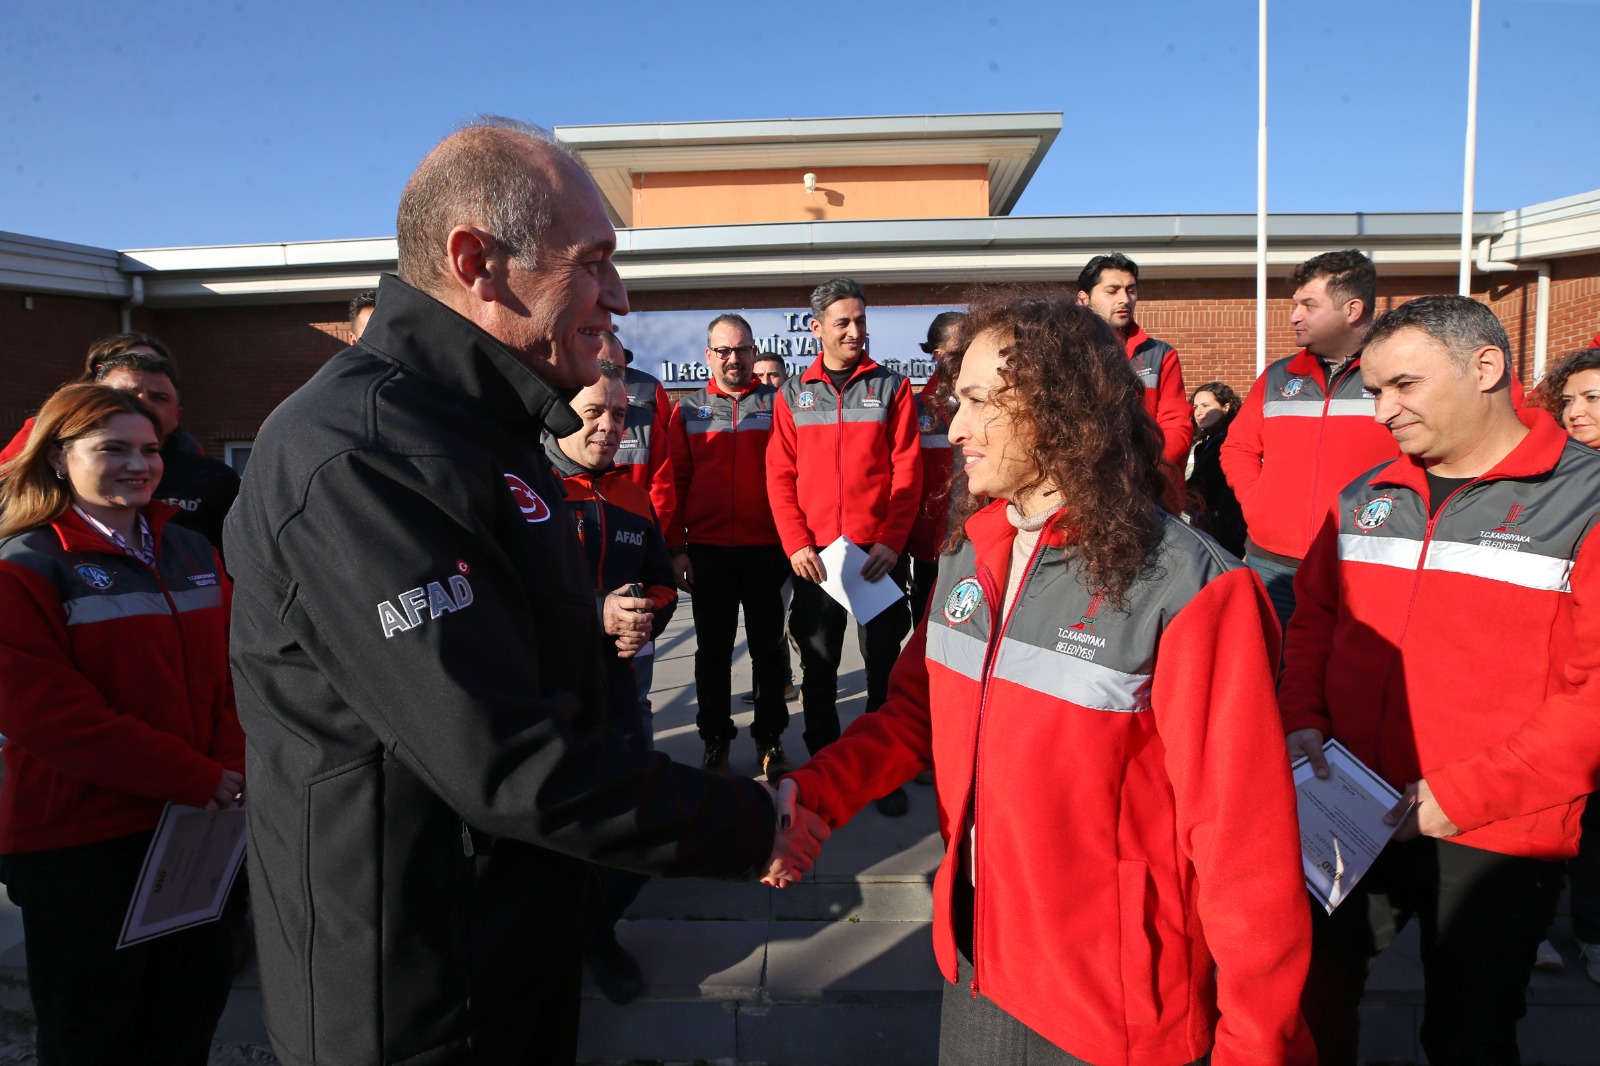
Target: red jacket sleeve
14,447
49,708
1553,757
1236,822
879,751
663,490
1302,693
1173,412
227,743
782,494
1243,451
905,469
677,533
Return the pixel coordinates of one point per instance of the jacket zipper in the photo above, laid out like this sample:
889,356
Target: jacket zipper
733,471
838,448
1331,381
983,701
1400,639
600,519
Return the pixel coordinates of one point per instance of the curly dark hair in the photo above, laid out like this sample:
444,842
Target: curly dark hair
1548,394
1067,379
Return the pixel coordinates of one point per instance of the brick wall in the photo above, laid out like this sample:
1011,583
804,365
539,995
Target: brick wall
238,363
43,348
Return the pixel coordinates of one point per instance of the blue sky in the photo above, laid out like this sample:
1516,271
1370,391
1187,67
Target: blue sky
173,122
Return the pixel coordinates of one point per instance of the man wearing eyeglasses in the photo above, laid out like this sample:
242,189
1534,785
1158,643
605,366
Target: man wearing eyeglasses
725,546
844,462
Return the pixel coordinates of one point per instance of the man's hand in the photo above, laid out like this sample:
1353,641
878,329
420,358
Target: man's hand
626,614
229,791
683,572
880,560
628,618
799,837
1419,814
807,563
1308,742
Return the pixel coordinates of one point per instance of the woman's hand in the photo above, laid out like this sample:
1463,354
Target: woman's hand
229,791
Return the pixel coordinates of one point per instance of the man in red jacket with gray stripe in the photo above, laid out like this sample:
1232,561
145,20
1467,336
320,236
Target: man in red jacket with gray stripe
844,462
725,548
1447,632
1306,427
1109,286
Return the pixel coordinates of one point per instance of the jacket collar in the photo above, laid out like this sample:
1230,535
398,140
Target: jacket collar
1306,363
717,390
1136,337
565,467
413,329
1537,454
815,371
79,536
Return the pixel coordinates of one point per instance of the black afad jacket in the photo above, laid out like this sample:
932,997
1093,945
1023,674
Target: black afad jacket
417,659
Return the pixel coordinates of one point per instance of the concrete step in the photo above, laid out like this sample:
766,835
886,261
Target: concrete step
819,993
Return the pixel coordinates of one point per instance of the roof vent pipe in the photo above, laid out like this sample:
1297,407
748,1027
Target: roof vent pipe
135,299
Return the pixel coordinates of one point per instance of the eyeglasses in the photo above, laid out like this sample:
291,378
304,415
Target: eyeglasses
741,351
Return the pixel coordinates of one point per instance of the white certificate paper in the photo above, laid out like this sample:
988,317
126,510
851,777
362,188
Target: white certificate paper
1341,822
865,600
192,862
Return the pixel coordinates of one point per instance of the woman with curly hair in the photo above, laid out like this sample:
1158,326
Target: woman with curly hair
1571,393
1093,687
1213,508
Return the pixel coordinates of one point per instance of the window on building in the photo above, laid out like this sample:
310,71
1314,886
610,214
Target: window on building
236,453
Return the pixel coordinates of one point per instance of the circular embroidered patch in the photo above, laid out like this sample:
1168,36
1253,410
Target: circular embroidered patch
703,412
1374,513
1293,387
963,601
806,400
925,423
94,575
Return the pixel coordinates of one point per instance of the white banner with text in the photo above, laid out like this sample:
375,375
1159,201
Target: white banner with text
672,344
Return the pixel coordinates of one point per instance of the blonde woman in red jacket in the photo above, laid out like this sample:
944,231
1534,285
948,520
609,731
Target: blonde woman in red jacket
114,699
1093,686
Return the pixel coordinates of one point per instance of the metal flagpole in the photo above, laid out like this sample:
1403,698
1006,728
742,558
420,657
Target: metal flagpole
1261,197
1469,169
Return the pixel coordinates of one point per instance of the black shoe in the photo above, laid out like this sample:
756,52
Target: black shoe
925,777
895,804
616,972
774,763
716,757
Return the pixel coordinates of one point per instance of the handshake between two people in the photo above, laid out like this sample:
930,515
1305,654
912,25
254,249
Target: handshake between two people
799,837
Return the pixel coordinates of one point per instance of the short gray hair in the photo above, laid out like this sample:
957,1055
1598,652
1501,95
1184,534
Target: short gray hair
610,371
1459,323
829,293
478,175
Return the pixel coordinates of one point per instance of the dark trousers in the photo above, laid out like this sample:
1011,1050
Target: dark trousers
725,579
818,623
975,1031
1279,580
1481,917
157,1002
1583,874
924,579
